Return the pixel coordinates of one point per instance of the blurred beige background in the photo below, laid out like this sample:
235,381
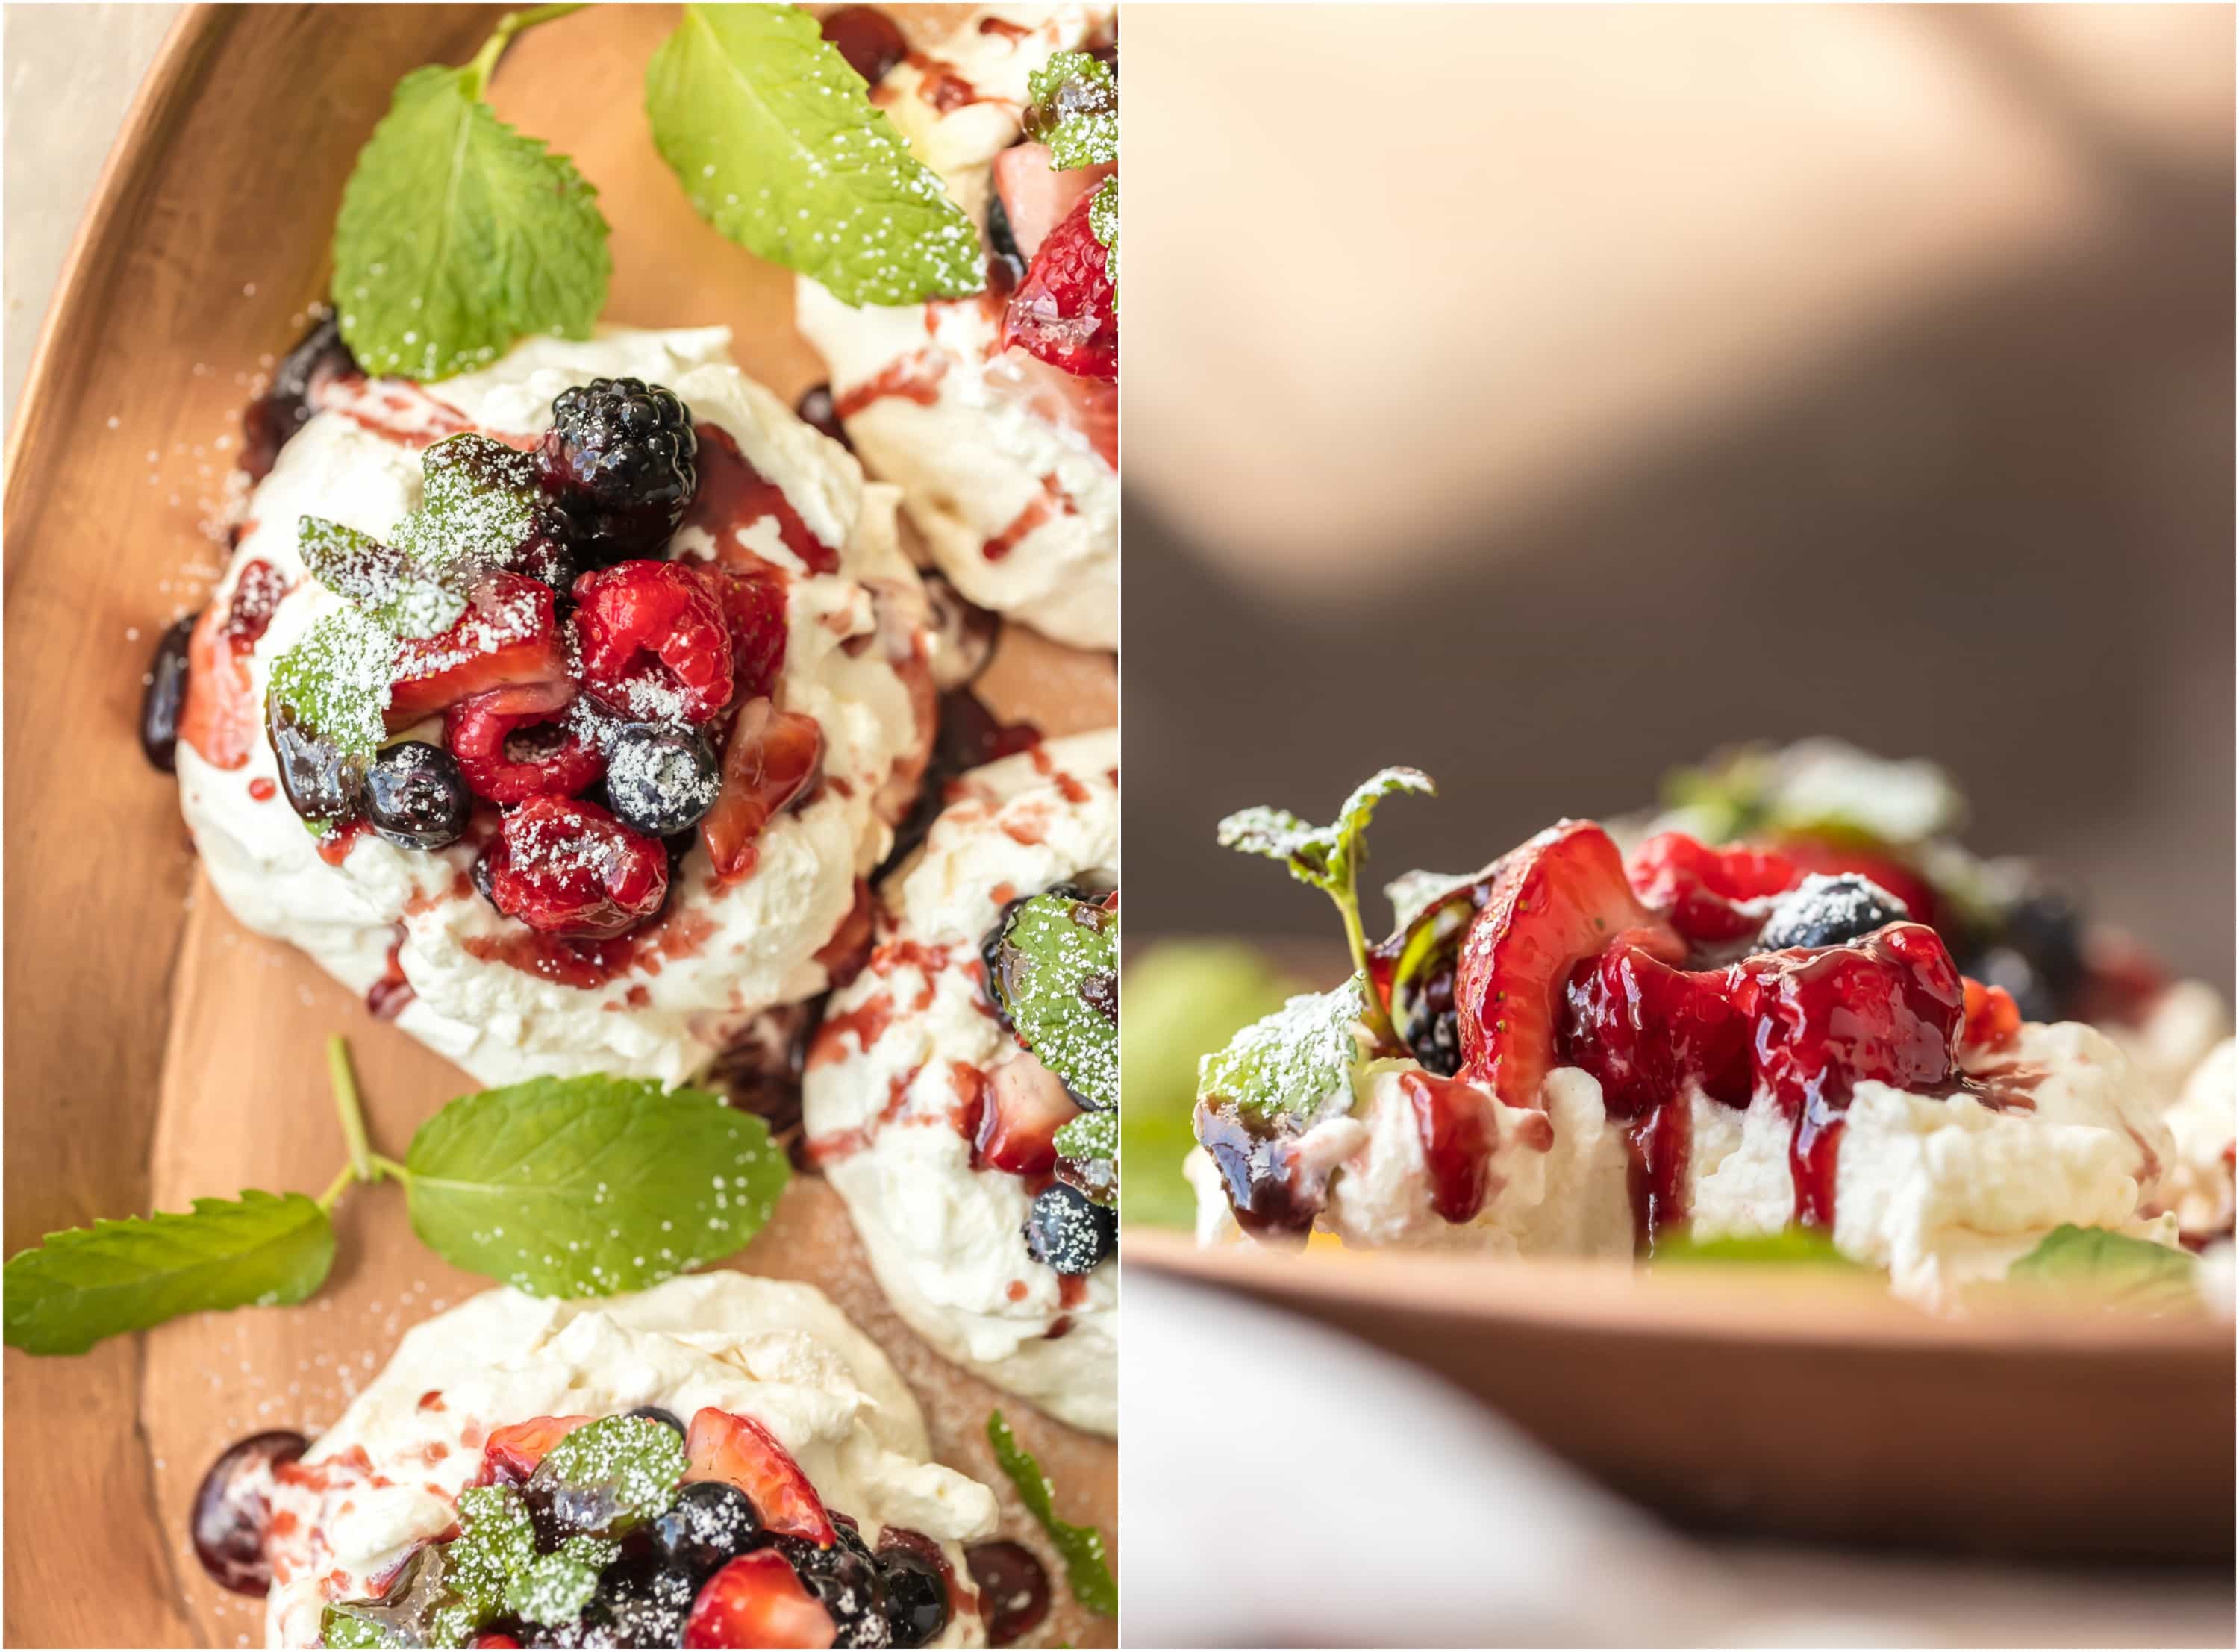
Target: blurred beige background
1546,395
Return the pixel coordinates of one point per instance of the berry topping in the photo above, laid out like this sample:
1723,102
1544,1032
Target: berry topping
1031,198
1992,1016
771,759
416,797
654,643
1014,1589
817,408
231,1515
757,1601
506,639
571,870
710,1520
1713,897
660,780
1826,911
741,1452
618,460
322,783
2036,952
866,37
659,1414
509,748
511,1454
913,1578
753,601
640,1602
1644,1030
1063,310
1026,1105
165,696
1560,899
318,360
1069,1232
1912,891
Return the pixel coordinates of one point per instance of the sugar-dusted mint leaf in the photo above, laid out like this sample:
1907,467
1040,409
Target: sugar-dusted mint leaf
1790,1247
1081,1547
554,1587
587,1186
1292,1061
1058,975
1327,857
341,1626
335,680
380,581
458,235
477,505
775,140
1091,1143
85,1283
2099,1268
1074,109
609,1477
1103,224
496,1541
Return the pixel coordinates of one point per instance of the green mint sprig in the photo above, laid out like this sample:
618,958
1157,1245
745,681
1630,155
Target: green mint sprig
778,144
1081,1547
1330,857
458,235
1073,108
581,1187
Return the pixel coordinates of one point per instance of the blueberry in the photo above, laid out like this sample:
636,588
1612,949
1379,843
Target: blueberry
641,1601
322,783
658,1414
660,779
1826,912
1069,1231
916,1591
166,695
844,1578
2008,967
416,797
2045,927
710,1521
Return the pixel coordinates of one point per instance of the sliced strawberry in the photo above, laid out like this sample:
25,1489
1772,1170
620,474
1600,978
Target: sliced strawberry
506,638
743,1452
1036,198
1560,899
1063,310
752,593
1709,895
1026,1106
1992,1016
1832,855
511,1454
757,1600
772,757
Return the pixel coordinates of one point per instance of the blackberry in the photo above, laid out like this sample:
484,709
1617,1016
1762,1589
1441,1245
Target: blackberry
416,797
913,1576
844,1578
641,1601
165,695
661,778
619,460
710,1521
1826,912
1068,1231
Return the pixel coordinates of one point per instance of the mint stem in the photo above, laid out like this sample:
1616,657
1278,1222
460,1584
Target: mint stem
346,1176
1378,1019
344,1084
387,1167
513,23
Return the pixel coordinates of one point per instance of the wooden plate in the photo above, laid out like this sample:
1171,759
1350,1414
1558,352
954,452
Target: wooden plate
1799,1407
157,1050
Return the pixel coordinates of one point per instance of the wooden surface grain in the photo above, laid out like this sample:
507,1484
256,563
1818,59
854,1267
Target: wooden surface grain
156,1050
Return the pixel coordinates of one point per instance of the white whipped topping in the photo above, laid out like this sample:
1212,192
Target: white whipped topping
2204,1122
983,454
770,1349
1940,1192
741,948
944,1239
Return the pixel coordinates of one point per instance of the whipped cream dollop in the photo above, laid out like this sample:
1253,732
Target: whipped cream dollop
1940,1191
856,660
893,1083
1009,468
387,1475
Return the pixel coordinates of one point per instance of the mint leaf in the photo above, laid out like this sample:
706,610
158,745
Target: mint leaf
1103,224
1058,974
382,583
458,235
1291,1061
615,1473
477,505
2112,1270
335,680
553,1587
1082,1547
1074,109
1791,1247
776,142
85,1283
1091,1141
584,1187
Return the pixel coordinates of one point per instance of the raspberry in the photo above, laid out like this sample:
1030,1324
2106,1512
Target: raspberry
1711,896
571,870
620,460
509,748
1063,311
654,643
753,601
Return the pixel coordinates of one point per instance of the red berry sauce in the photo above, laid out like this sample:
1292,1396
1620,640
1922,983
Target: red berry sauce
231,1518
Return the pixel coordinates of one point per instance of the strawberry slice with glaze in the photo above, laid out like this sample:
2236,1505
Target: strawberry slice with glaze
1037,197
743,1452
1063,312
1025,1106
511,1454
507,638
772,757
1711,895
1559,900
758,1599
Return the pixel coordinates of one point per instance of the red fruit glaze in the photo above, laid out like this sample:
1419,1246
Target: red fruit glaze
511,1454
1993,1018
1644,1030
1062,311
1454,1120
654,641
509,750
571,870
734,495
741,1452
1711,896
758,1599
221,715
1560,899
751,596
1025,1105
506,639
771,758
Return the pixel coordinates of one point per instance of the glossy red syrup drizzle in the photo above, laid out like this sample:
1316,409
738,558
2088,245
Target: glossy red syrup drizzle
733,495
